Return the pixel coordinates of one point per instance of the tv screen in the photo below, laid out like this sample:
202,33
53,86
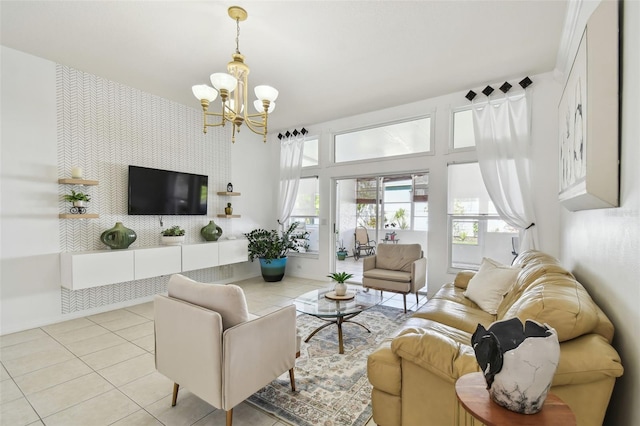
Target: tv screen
165,192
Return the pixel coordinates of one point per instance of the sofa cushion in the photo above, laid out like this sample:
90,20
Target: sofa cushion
489,285
462,279
227,300
464,317
397,257
387,275
559,301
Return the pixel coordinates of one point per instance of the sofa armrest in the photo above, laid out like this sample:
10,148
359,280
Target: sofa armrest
462,279
368,263
256,352
418,274
435,352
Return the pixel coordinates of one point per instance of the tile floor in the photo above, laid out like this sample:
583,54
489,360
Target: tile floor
99,370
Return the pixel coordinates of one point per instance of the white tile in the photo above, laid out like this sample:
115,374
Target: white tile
137,331
148,389
27,348
243,415
19,366
51,376
21,337
113,355
68,394
72,336
126,322
139,418
9,391
66,326
188,410
148,343
4,375
143,309
94,344
130,370
17,413
111,316
101,410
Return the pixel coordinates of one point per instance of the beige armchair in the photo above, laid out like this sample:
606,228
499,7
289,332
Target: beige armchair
399,268
207,341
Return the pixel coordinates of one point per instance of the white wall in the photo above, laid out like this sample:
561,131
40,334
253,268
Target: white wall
602,247
545,92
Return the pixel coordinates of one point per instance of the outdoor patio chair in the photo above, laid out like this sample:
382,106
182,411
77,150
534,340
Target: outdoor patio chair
363,244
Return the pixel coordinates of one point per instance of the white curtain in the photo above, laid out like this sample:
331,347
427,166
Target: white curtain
503,142
291,149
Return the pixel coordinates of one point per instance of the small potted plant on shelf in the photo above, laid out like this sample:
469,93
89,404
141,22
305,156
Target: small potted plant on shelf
340,278
77,198
173,236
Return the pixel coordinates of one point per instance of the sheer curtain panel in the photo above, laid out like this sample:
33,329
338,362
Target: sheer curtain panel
502,133
291,149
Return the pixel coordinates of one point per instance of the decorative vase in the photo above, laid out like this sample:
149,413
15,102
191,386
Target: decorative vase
340,289
79,203
119,237
211,232
273,269
228,210
342,255
172,240
229,187
518,362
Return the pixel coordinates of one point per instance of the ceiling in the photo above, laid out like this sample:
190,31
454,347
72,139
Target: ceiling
328,59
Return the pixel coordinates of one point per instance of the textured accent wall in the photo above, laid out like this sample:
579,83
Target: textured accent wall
103,127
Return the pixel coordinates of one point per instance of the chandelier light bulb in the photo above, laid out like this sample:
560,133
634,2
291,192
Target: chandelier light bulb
202,91
224,81
266,93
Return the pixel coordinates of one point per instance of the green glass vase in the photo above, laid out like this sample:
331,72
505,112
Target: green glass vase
119,237
211,232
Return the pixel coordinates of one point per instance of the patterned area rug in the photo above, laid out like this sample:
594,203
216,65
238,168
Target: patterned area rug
331,389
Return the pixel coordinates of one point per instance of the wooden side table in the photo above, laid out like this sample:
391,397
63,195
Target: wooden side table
474,404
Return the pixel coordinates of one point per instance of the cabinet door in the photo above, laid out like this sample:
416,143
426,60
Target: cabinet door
233,251
199,256
157,261
95,268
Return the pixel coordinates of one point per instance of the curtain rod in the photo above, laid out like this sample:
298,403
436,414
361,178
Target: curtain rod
524,83
295,132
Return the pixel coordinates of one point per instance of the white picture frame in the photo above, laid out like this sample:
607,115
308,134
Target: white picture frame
588,117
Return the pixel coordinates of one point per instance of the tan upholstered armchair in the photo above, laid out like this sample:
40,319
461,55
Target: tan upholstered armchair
399,268
207,342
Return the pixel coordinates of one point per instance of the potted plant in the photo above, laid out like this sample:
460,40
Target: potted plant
342,252
340,277
271,248
77,198
173,236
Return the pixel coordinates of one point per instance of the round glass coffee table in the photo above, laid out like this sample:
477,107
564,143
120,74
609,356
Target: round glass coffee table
337,312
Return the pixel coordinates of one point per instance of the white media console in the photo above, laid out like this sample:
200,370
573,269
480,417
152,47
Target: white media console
95,268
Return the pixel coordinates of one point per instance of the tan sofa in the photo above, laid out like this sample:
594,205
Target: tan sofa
413,373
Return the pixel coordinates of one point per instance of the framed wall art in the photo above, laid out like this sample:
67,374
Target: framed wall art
588,117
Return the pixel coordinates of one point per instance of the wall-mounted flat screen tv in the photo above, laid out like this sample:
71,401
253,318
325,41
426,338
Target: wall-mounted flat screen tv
165,192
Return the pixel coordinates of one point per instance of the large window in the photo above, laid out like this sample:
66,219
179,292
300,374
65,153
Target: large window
409,137
463,136
306,213
475,228
310,153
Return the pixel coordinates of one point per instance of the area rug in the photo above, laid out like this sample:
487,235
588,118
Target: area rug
331,389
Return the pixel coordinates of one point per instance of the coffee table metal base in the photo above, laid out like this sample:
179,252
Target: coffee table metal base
338,321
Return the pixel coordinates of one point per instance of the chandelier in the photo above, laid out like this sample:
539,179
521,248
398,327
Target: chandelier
232,88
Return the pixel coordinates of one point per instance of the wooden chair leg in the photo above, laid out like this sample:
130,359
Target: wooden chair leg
404,298
293,380
175,394
229,417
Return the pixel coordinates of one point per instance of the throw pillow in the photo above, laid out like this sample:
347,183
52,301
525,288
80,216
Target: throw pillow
489,285
227,300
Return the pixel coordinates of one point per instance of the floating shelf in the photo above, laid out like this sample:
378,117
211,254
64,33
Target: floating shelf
72,181
229,216
231,194
78,216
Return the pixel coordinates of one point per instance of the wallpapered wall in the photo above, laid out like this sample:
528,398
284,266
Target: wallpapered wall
103,127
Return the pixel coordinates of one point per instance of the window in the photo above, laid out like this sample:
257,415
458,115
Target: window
409,137
306,213
463,136
475,228
310,153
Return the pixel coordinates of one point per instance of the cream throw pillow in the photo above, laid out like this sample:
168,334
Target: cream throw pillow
489,285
